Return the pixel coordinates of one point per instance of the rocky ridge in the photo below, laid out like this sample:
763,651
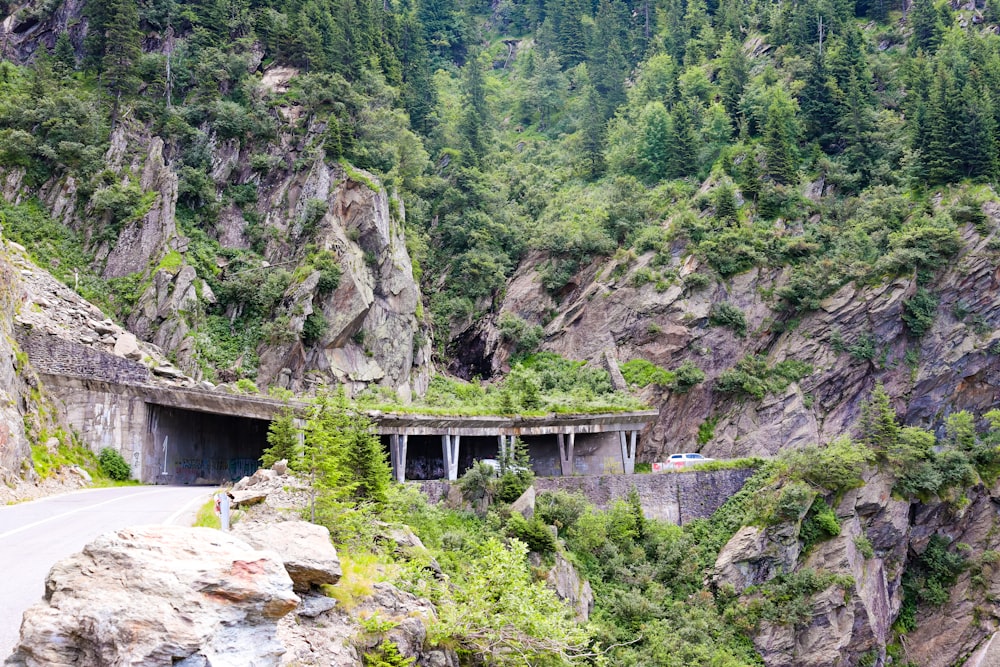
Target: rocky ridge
850,620
602,311
374,332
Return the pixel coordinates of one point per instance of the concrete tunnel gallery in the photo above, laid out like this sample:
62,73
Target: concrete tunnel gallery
193,447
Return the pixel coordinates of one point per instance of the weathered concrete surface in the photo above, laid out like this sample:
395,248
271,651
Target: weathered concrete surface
675,497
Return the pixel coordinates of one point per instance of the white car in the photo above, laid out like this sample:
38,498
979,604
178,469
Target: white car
680,461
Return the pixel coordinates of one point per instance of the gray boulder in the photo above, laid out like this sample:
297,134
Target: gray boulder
305,549
159,595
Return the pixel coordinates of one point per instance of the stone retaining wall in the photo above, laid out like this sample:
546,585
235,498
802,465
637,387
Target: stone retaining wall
676,497
51,355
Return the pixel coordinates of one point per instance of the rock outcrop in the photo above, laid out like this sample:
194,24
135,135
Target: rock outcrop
365,328
954,366
305,550
159,595
569,586
850,621
27,415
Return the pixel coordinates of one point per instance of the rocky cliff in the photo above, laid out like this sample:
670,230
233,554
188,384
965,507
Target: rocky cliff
855,339
27,415
851,588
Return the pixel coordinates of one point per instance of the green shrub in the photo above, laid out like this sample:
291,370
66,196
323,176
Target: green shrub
114,465
836,467
753,376
533,533
247,386
560,508
785,600
795,500
820,524
522,336
706,430
687,376
386,655
642,373
919,312
696,281
727,315
315,327
927,579
864,546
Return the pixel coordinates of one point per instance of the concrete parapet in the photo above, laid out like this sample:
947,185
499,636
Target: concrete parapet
678,498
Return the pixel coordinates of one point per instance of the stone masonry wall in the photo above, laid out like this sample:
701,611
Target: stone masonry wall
676,497
52,355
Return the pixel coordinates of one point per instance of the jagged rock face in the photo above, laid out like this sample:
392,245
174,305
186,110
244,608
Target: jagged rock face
598,313
372,313
191,596
14,445
374,335
569,586
853,618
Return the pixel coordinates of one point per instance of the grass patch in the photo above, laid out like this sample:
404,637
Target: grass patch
206,517
361,571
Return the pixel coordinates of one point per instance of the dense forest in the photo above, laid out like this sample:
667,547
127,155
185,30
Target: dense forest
810,134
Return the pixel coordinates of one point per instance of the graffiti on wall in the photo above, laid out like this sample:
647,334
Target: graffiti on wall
191,470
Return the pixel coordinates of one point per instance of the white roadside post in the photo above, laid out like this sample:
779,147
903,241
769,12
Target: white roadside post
222,509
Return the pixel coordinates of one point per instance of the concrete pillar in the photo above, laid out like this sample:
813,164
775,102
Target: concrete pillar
397,455
628,451
567,461
450,447
506,445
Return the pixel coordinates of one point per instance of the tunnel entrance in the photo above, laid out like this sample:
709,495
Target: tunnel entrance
192,447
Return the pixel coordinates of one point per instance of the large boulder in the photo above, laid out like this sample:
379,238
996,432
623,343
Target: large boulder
569,586
305,549
159,595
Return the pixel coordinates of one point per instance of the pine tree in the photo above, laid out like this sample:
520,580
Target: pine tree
283,440
878,427
592,130
608,65
122,51
942,160
419,94
444,30
857,127
63,54
977,132
734,72
474,125
925,24
781,138
818,101
570,38
683,141
655,149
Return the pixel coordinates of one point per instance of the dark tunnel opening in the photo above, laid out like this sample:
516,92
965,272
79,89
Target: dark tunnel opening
191,447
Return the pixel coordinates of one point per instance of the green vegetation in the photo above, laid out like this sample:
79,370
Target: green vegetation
928,579
113,465
725,314
754,377
642,373
537,385
206,517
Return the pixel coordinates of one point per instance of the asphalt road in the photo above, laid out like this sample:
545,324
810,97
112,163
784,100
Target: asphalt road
37,534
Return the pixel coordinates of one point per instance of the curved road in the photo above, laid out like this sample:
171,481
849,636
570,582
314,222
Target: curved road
34,535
